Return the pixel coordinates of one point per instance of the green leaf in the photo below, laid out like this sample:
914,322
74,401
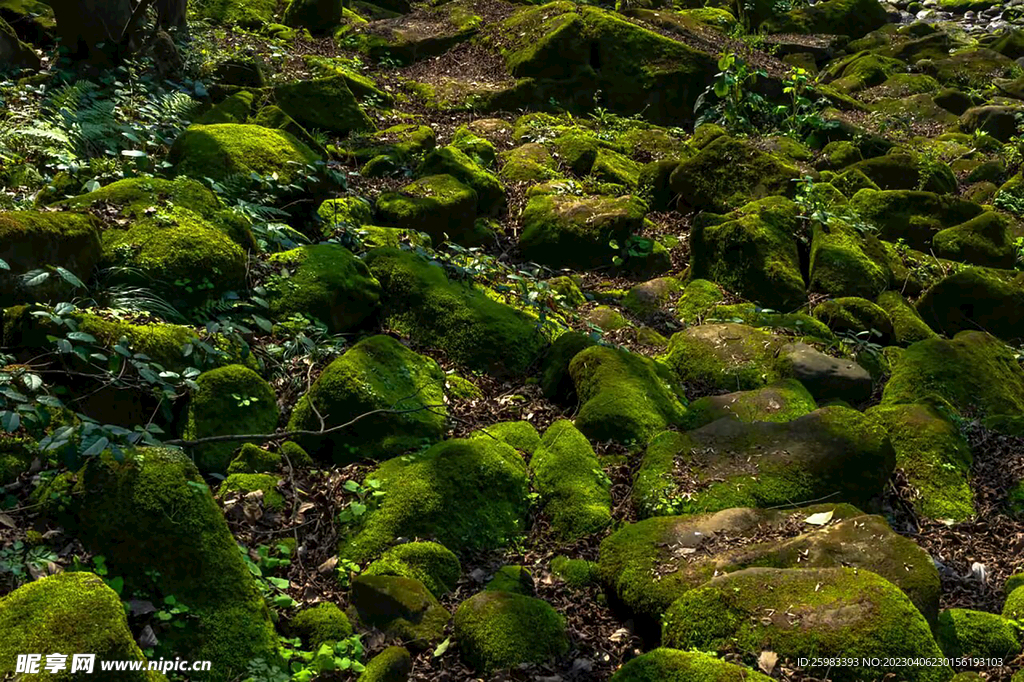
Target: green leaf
134,153
82,336
70,278
4,265
442,647
96,448
35,278
10,421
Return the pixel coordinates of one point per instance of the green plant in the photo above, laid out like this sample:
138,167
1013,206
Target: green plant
271,587
367,498
20,560
733,103
635,247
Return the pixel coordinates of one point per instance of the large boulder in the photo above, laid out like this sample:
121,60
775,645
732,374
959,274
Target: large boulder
228,400
827,378
649,564
623,396
729,173
439,205
220,151
752,252
454,162
781,401
69,613
401,607
725,356
152,517
832,612
853,18
432,564
323,104
912,215
833,452
466,493
568,476
378,373
469,325
976,298
325,282
565,231
694,666
498,630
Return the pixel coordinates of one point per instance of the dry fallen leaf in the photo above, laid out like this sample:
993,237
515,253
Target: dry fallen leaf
819,519
767,661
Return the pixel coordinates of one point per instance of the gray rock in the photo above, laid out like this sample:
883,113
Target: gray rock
827,378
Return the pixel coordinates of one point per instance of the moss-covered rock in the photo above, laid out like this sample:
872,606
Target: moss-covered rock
439,205
730,463
16,455
72,612
576,573
912,215
855,315
511,578
846,263
530,162
752,315
853,18
903,171
556,383
781,401
229,400
933,455
319,16
698,300
569,231
976,298
470,326
320,624
498,630
323,281
1014,606
983,240
265,484
907,325
752,251
393,664
33,239
963,633
234,109
973,372
222,150
728,173
467,493
251,14
401,607
826,378
837,612
521,435
323,104
672,665
568,476
725,356
432,564
152,513
378,373
478,148
648,297
623,396
252,459
452,161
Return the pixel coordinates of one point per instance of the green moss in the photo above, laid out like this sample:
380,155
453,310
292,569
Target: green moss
252,459
568,289
730,463
780,402
401,607
519,434
752,252
72,612
572,485
214,410
133,197
1014,606
840,264
320,624
607,319
471,327
1013,582
252,14
326,282
852,314
912,215
611,166
671,665
976,298
432,564
294,455
528,163
751,315
323,104
16,454
247,483
697,300
973,372
514,579
479,149
499,630
556,383
467,493
461,388
33,239
378,373
728,173
352,211
222,150
393,664
963,633
723,356
453,162
934,456
623,396
234,109
646,298
272,116
908,327
570,231
439,205
319,16
576,573
152,512
878,620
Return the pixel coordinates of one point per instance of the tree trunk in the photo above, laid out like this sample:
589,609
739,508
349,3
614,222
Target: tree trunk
92,29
